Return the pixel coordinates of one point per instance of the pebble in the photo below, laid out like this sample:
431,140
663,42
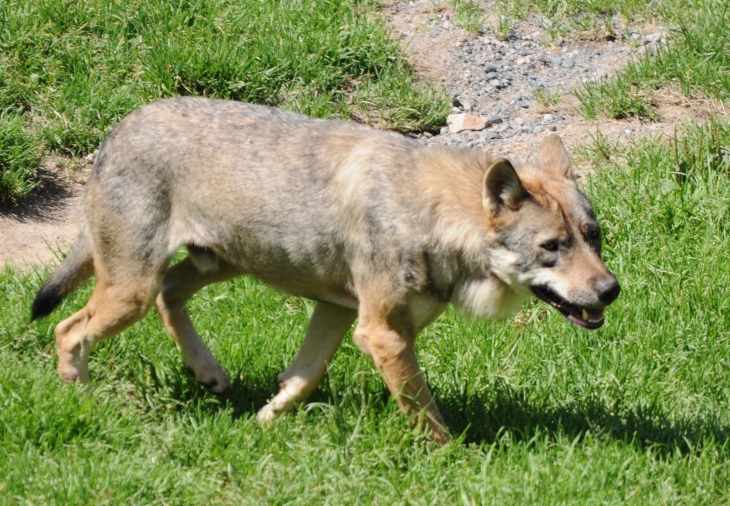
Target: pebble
548,117
460,122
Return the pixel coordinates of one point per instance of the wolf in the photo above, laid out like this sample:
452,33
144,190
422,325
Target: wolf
369,224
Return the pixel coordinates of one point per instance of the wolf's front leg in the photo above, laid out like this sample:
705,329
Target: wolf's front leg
327,327
388,338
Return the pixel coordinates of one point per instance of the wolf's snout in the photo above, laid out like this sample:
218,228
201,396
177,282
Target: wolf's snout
608,291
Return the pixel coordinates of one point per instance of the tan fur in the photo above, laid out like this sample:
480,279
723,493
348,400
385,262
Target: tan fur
367,223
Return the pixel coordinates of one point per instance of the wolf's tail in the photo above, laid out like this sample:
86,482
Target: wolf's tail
74,270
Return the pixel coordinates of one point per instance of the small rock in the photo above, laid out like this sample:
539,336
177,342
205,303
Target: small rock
490,68
434,31
444,130
548,117
537,130
568,63
492,75
495,120
629,131
460,122
552,128
495,83
479,60
519,121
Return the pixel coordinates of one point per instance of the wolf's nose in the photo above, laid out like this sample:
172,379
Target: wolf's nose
608,291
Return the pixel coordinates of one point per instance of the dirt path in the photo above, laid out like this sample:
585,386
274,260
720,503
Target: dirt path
36,232
507,81
485,77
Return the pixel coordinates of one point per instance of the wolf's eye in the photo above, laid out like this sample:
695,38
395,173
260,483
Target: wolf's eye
593,234
551,245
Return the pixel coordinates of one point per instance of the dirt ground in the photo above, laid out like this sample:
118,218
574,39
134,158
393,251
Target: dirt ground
47,224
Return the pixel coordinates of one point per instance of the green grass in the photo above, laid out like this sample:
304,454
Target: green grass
545,413
19,158
468,14
76,67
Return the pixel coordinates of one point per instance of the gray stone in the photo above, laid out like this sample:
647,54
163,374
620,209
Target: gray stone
492,75
478,60
548,117
568,63
434,31
495,120
490,68
537,130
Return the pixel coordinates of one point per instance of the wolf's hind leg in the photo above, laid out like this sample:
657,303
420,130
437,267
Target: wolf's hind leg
181,281
113,306
326,329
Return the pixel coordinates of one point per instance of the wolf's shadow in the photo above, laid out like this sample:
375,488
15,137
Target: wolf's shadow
487,417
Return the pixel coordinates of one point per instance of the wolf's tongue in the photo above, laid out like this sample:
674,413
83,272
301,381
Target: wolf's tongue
594,314
588,318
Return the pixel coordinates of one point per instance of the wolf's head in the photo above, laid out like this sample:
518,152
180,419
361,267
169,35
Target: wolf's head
548,240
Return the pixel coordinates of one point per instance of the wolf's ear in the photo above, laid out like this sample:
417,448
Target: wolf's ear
502,187
552,157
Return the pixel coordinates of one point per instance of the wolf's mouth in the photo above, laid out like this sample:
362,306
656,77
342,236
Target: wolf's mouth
589,318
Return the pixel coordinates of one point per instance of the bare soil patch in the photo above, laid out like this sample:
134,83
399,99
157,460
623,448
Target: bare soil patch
46,224
523,85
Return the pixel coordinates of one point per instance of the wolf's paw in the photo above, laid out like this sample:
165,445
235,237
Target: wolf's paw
269,414
70,373
212,378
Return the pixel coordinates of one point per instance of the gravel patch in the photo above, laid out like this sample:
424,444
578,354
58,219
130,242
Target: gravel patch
521,85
